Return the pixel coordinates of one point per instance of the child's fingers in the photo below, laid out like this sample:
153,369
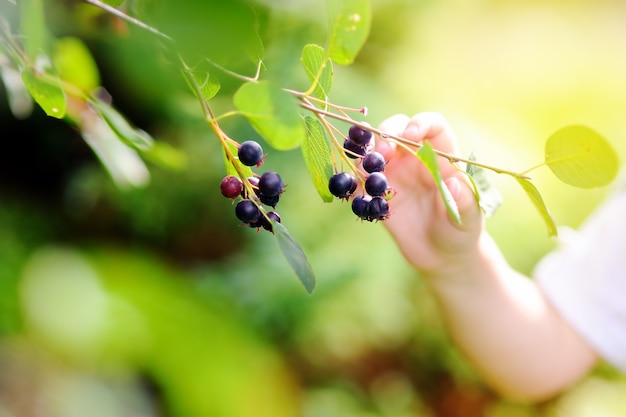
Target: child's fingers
393,125
433,127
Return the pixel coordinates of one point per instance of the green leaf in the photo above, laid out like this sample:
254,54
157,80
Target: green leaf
317,156
75,64
581,157
207,82
45,88
428,157
272,112
537,200
489,198
134,138
318,69
295,256
349,21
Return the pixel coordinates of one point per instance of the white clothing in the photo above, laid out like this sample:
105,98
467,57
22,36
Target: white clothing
585,279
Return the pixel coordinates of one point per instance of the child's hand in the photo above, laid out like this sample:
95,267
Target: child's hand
419,222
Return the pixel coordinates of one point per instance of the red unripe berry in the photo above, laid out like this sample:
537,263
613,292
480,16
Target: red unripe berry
231,186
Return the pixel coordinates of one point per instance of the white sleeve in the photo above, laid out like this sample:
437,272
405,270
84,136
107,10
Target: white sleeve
585,279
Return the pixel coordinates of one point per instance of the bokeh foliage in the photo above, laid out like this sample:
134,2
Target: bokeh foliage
150,299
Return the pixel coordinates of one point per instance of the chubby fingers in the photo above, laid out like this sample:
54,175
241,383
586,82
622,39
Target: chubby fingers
394,125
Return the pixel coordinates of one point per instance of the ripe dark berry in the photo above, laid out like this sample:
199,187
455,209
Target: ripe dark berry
266,224
374,162
250,153
270,184
231,186
342,185
352,149
269,201
377,209
359,206
376,184
359,136
247,211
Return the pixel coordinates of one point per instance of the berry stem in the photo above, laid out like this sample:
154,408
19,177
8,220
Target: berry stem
409,143
213,123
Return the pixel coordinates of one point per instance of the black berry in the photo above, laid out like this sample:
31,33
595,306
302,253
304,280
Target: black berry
250,153
266,224
374,162
377,209
376,184
270,184
269,200
342,185
231,186
353,148
359,136
359,206
247,212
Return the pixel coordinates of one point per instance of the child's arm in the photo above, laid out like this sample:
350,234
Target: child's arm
498,318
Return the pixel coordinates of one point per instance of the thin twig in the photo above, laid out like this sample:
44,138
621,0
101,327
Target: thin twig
129,19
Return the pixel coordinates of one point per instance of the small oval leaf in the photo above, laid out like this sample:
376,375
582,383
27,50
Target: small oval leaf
428,157
272,112
75,64
45,88
295,256
537,200
318,158
581,157
318,69
349,21
489,198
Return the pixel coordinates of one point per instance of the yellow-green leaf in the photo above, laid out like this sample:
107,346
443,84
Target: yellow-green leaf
75,64
349,21
537,200
318,68
272,112
45,88
428,157
318,158
581,157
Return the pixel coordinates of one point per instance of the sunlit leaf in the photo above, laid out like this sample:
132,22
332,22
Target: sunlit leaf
45,88
318,69
581,157
75,64
489,198
537,200
135,138
429,159
295,256
113,3
272,112
317,156
349,21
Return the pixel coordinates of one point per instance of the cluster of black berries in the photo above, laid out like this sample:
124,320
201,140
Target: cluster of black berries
267,189
373,205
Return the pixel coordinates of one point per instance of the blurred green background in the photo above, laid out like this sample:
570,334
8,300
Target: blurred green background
153,301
